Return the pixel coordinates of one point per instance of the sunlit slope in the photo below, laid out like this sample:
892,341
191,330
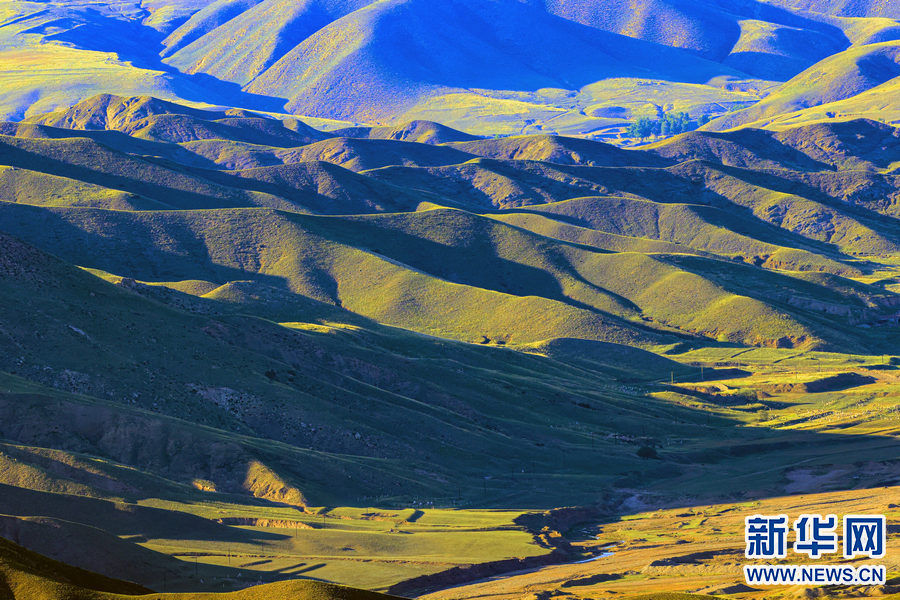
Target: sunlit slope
324,259
320,410
587,233
845,8
833,80
448,272
315,410
877,103
559,150
403,52
362,154
848,213
57,166
685,228
58,53
653,286
327,188
784,176
858,145
31,576
308,52
238,41
146,117
424,132
218,48
584,68
764,41
489,183
84,172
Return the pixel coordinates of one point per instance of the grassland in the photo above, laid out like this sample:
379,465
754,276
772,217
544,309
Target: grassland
693,551
142,509
247,353
32,576
378,355
617,206
282,58
830,86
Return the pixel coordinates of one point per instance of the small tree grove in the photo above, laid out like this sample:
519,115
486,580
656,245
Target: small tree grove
669,124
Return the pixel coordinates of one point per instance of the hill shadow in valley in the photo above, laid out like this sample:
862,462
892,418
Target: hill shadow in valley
142,46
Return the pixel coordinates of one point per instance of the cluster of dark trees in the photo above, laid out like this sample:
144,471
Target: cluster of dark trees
669,124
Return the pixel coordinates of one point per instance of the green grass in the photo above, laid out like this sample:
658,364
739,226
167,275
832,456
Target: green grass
585,292
687,549
30,576
832,83
425,330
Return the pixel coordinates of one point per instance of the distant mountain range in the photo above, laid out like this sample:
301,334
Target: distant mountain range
484,66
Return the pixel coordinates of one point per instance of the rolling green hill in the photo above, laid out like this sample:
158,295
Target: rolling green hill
324,384
153,119
218,328
586,69
846,8
471,275
752,37
429,53
457,299
424,132
157,411
828,84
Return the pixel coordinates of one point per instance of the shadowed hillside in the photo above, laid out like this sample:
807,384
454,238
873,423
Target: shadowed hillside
563,263
329,384
424,132
428,53
29,575
584,67
739,203
841,79
492,299
754,37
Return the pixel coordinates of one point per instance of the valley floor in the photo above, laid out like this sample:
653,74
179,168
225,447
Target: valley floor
682,534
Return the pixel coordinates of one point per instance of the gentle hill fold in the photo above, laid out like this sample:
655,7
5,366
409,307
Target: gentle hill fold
563,261
446,299
708,236
585,67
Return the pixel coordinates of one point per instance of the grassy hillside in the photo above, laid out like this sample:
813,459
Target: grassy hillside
833,80
301,384
386,268
847,8
587,68
242,426
682,552
392,295
263,31
221,329
261,399
689,195
30,576
754,38
412,43
423,132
